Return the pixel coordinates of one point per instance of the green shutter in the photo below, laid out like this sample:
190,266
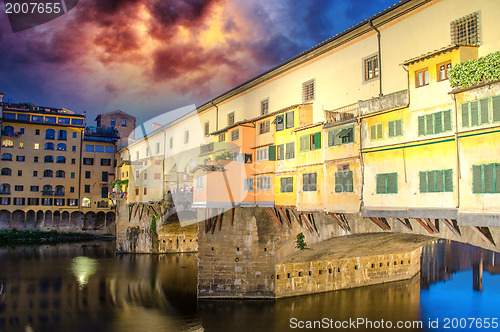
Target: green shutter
438,122
379,131
431,183
465,114
447,120
399,127
448,180
330,138
373,132
423,182
497,178
483,103
272,152
348,181
488,178
282,185
317,140
439,181
477,179
303,143
339,186
381,183
390,126
495,104
421,125
392,183
474,113
429,124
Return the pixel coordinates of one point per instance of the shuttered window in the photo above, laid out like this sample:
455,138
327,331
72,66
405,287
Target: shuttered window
286,185
272,152
436,181
395,128
289,120
376,131
280,122
290,150
281,152
486,178
477,112
495,105
309,182
248,184
434,123
264,183
343,182
387,183
342,135
310,142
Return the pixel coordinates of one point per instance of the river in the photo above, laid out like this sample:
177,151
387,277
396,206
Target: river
87,287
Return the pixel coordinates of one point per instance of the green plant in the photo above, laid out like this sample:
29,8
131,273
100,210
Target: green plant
475,71
300,243
226,155
119,184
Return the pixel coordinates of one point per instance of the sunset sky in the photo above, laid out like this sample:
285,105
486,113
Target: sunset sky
147,57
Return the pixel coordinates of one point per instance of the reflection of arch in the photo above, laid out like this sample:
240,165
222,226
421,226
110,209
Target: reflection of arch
65,219
76,219
18,219
30,219
110,218
89,220
48,219
56,219
4,219
39,219
100,221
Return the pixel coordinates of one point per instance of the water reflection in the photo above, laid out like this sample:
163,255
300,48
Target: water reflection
86,287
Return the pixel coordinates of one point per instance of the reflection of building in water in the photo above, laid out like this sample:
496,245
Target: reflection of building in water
85,287
442,258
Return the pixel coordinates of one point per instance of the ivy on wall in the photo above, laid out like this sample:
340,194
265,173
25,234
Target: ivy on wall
476,71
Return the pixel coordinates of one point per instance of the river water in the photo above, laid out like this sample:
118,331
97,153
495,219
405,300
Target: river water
87,287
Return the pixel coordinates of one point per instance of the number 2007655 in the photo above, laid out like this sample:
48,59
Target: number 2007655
33,8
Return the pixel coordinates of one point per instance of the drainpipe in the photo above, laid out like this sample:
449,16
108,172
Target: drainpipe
457,177
407,104
216,115
379,57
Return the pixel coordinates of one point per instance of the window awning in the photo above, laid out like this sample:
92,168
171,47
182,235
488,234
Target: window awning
345,132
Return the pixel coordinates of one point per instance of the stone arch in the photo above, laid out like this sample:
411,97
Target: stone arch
100,220
56,219
30,219
110,218
77,219
65,219
39,219
89,220
4,220
48,219
18,220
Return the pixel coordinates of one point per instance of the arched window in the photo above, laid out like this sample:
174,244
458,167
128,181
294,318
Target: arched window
6,171
7,143
50,134
47,190
86,202
49,146
5,188
61,147
8,130
60,174
48,159
102,204
62,135
6,156
59,191
48,173
61,160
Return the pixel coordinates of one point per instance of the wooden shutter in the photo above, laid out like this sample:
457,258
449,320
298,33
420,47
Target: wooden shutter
465,114
474,113
373,132
439,181
423,182
477,186
330,138
283,185
421,125
497,178
495,104
399,127
281,152
381,183
317,140
392,183
447,120
348,182
483,103
379,130
429,124
391,128
313,182
438,122
448,180
272,152
488,185
339,186
305,182
431,182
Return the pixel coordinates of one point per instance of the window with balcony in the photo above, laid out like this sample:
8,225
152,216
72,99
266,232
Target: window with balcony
47,190
59,190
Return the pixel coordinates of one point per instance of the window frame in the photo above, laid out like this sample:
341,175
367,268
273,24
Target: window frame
309,91
371,66
446,71
417,78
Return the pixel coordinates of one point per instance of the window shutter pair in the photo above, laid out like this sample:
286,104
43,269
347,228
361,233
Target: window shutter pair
272,152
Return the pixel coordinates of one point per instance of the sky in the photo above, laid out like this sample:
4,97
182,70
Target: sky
147,57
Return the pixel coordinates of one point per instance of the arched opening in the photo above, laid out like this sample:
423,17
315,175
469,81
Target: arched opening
48,159
89,221
65,219
30,219
61,147
61,160
7,143
6,171
110,218
4,220
39,219
48,219
77,219
60,174
6,157
18,220
50,134
100,220
8,130
49,146
48,173
56,219
62,135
